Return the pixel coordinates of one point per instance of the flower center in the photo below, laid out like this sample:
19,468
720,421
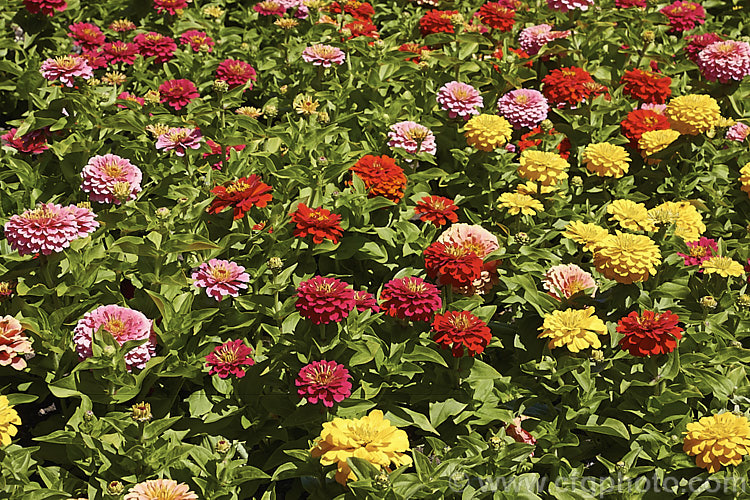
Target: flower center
112,169
115,326
698,251
220,273
461,322
522,99
322,376
40,214
237,186
66,62
318,215
227,354
415,286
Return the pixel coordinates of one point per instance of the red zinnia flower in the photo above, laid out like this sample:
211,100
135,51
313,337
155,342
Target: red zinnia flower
414,48
495,15
699,42
365,300
437,21
647,86
324,381
650,333
33,142
436,210
381,175
230,358
86,35
197,39
410,298
362,28
120,52
323,300
358,10
242,194
320,223
155,44
527,141
458,329
452,264
518,433
178,93
171,6
235,73
47,7
568,86
639,121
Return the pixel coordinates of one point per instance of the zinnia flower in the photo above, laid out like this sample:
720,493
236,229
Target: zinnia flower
178,93
179,140
631,215
120,52
688,222
545,168
576,329
649,334
381,175
86,35
9,419
567,86
627,258
725,61
523,107
122,25
323,55
235,73
411,299
693,114
496,15
606,160
124,325
646,86
481,242
242,194
46,7
104,175
719,440
587,234
653,141
452,264
155,45
160,489
365,300
320,223
518,433
230,358
745,178
520,203
626,4
699,251
355,8
436,210
324,381
696,43
324,300
457,330
412,137
66,68
567,5
269,8
639,121
567,280
370,438
723,266
738,132
32,142
683,16
459,99
437,21
197,41
49,228
14,345
533,38
221,278
487,132
171,7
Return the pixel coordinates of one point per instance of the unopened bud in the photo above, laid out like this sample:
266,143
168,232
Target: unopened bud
648,36
546,125
162,212
323,117
270,110
223,446
275,263
743,300
6,290
382,480
115,488
88,416
576,180
152,97
597,356
496,442
521,238
141,412
283,89
708,302
220,86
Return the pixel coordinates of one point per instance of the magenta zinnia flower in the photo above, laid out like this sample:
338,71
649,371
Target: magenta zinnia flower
230,358
523,107
49,228
86,35
47,7
160,489
33,142
179,139
324,300
566,5
106,178
459,99
698,251
124,324
323,55
696,43
66,68
171,6
724,61
221,278
156,45
411,299
533,38
738,132
178,93
364,300
324,381
197,40
412,137
235,73
120,52
684,16
566,280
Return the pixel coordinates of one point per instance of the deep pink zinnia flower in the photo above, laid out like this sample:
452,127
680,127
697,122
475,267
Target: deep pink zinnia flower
179,139
49,228
324,381
235,73
411,299
269,8
323,55
684,16
725,61
95,58
156,45
698,251
127,96
124,324
230,358
533,38
178,93
66,68
120,52
523,107
86,35
696,43
738,132
221,278
566,5
567,280
324,300
412,137
33,142
459,99
47,7
626,4
108,178
197,40
364,300
170,6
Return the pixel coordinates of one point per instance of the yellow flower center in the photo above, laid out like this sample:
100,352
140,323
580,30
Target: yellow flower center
415,286
227,354
115,326
698,251
66,62
220,273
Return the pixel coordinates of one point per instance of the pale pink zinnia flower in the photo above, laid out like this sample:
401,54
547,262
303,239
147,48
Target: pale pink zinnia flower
66,68
324,381
534,38
124,324
230,358
160,489
523,107
221,278
459,99
179,139
724,61
13,343
566,5
566,280
656,108
323,55
110,178
480,241
738,132
49,228
412,137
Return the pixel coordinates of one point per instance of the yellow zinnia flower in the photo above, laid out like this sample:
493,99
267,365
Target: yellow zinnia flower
721,439
606,160
487,132
371,438
627,258
745,178
688,222
631,215
545,168
723,266
653,141
693,114
8,420
576,329
532,188
589,235
523,203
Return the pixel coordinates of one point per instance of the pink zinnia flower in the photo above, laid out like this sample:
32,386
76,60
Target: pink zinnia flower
221,278
323,55
106,178
656,108
49,228
696,43
269,8
178,93
34,142
364,300
412,137
127,96
197,40
533,38
156,45
14,345
47,7
230,358
157,489
66,68
738,132
626,4
566,280
480,241
459,99
523,107
301,11
124,324
724,61
324,381
179,139
411,299
684,16
324,300
235,73
566,5
170,6
698,251
120,52
86,35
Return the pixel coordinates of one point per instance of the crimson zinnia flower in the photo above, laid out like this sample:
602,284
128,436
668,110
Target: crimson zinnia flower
320,223
154,44
458,329
646,86
696,43
639,121
178,93
410,298
324,381
170,6
86,35
381,175
650,333
323,300
47,7
362,28
437,21
235,73
365,300
497,16
242,194
568,86
436,210
230,358
33,142
452,264
119,52
358,10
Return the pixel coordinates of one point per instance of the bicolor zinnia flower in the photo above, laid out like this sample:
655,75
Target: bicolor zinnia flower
523,107
696,43
179,140
242,194
457,330
568,280
9,419
576,329
124,324
723,266
567,5
221,278
452,264
49,228
319,223
567,86
381,175
324,300
650,333
725,61
683,16
437,21
32,142
606,160
46,7
646,86
323,55
411,299
155,45
324,381
481,242
14,345
719,440
86,35
171,6
587,234
236,73
269,8
178,93
487,132
699,251
230,358
160,489
738,132
627,258
518,433
496,15
412,137
198,41
639,121
459,99
693,114
66,68
365,300
107,178
533,38
437,210
517,203
631,215
545,168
